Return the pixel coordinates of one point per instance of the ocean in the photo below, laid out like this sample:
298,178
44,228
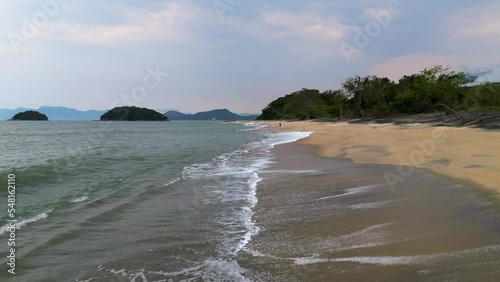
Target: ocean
132,201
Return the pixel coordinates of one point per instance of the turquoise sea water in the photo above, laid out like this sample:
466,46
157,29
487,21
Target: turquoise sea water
119,201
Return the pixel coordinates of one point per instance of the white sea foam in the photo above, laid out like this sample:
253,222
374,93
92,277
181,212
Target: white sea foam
403,260
259,164
24,222
375,205
309,260
172,182
354,190
291,171
236,176
80,199
252,228
367,232
370,236
255,126
88,280
139,274
201,170
287,137
386,260
216,269
210,269
121,271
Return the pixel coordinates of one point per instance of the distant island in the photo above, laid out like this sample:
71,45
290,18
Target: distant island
133,114
64,113
30,115
56,113
219,114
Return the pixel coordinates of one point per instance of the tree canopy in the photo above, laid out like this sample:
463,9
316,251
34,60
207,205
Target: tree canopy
30,115
436,88
133,114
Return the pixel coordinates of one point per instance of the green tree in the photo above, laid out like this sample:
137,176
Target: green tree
335,101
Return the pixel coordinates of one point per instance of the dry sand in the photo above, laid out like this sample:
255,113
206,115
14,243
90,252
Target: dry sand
465,153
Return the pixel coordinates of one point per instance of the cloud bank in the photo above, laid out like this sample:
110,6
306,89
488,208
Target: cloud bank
90,53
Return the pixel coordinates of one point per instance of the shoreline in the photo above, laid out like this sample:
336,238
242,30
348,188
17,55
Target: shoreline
322,217
465,154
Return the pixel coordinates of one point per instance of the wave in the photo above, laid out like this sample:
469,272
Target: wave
172,182
287,137
237,174
80,199
403,260
24,222
254,125
250,225
354,191
211,269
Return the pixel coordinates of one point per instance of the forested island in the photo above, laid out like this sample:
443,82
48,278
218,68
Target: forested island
436,89
133,114
30,115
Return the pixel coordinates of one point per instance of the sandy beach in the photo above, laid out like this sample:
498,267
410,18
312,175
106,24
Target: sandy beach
469,154
329,219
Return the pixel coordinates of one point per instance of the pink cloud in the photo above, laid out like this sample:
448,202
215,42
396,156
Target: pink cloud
396,68
315,27
482,22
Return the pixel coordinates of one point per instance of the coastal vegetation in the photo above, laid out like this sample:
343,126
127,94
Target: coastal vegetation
433,89
30,115
133,114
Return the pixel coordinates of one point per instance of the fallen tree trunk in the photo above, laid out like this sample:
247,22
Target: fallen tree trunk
479,120
452,111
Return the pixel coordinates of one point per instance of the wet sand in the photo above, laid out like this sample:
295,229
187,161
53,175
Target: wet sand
469,154
329,219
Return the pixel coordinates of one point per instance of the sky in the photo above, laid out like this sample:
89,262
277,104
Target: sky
237,54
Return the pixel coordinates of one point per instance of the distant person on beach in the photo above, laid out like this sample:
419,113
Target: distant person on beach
280,124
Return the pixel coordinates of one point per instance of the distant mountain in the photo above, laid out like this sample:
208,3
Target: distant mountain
56,113
247,114
6,114
219,114
222,114
63,113
175,115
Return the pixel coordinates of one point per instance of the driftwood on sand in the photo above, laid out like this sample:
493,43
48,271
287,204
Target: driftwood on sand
479,120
